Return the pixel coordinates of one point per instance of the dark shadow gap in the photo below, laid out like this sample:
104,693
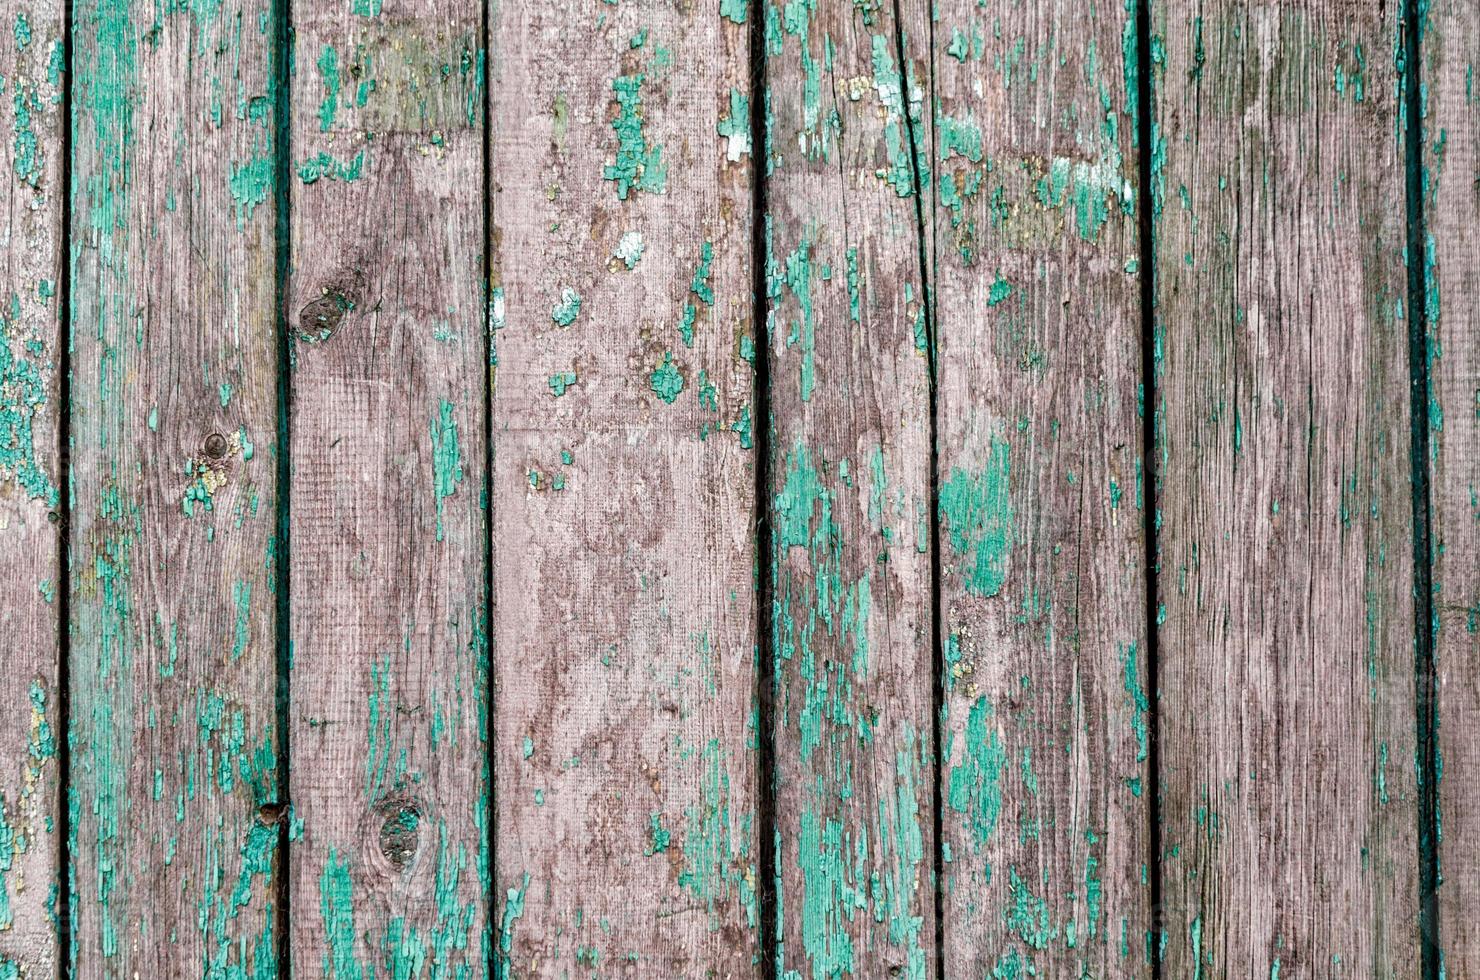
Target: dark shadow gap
282,87
765,666
490,758
65,924
927,300
1425,677
1156,936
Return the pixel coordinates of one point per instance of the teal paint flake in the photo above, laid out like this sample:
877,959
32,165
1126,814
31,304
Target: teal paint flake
630,248
658,836
560,381
975,787
900,173
22,397
699,287
329,107
735,127
337,912
976,512
666,381
733,10
1000,290
715,866
1139,702
326,167
251,184
637,166
513,911
447,470
565,311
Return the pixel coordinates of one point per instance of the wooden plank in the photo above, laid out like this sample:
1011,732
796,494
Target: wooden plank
851,532
624,490
1046,784
389,674
31,209
1285,579
174,769
1451,147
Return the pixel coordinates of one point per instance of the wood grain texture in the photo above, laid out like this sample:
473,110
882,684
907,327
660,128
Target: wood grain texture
850,527
173,491
389,733
1451,147
31,215
1285,576
624,490
1046,782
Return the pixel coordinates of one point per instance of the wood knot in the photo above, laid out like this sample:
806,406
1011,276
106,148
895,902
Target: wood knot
216,445
400,832
338,296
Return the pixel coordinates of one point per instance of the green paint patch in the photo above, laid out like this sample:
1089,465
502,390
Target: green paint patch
447,470
975,789
561,381
326,167
630,248
976,511
900,172
1000,290
329,69
22,397
666,381
637,165
735,127
714,867
698,288
565,311
1139,702
250,185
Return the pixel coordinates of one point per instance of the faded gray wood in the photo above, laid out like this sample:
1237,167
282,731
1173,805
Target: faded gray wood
1045,781
389,728
31,203
850,527
624,490
1285,576
1451,147
174,766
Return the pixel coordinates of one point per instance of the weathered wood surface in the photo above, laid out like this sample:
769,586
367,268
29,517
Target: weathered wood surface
586,647
1285,606
1046,779
389,655
32,203
848,337
624,490
173,426
1451,265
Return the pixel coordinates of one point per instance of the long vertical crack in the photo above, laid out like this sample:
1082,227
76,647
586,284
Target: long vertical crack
765,667
918,171
282,259
1424,669
1146,232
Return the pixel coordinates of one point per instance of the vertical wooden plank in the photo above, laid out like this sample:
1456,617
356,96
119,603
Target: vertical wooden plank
624,489
1046,784
1285,577
31,205
1451,156
174,770
852,619
389,651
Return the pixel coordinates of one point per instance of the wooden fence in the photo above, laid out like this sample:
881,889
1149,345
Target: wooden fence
823,488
